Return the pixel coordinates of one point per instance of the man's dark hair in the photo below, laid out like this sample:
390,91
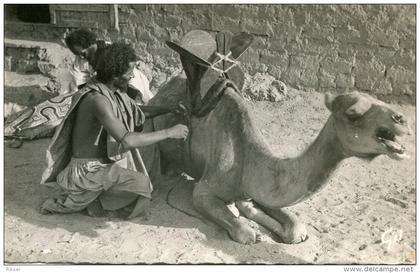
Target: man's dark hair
80,37
115,61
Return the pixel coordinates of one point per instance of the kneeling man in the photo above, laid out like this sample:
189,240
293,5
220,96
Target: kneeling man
93,155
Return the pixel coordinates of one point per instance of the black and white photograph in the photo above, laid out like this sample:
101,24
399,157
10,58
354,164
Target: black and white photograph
210,134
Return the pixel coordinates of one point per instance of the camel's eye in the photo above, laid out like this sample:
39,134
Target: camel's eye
398,118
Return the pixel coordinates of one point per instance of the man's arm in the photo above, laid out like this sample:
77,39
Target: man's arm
153,111
102,110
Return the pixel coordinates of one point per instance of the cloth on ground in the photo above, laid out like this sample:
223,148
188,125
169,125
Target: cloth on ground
40,120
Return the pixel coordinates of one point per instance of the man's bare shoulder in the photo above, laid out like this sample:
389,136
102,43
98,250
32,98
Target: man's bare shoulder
94,96
96,101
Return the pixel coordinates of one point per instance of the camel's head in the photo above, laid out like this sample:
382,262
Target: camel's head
367,127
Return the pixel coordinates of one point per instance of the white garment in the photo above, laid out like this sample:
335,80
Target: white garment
81,70
140,82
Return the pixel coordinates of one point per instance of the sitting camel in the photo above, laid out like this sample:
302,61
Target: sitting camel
232,163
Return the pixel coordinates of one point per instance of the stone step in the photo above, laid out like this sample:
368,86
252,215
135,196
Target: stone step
24,56
27,57
21,58
25,90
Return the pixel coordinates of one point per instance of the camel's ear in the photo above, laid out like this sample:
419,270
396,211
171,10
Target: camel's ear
358,109
329,98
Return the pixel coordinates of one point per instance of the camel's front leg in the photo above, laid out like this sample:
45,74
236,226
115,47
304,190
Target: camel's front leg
281,222
216,210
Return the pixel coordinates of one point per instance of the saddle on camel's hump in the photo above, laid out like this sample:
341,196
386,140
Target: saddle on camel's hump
211,65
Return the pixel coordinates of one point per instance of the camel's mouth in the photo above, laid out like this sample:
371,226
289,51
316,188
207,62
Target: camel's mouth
388,139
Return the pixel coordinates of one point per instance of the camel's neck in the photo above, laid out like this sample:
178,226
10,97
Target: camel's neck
313,167
292,180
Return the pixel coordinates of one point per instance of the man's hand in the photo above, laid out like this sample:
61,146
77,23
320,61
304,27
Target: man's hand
178,131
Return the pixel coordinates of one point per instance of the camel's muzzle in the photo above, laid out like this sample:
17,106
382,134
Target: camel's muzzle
389,140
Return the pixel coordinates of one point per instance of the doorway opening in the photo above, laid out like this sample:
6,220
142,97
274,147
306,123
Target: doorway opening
26,13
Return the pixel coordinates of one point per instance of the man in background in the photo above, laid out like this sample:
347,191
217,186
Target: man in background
88,49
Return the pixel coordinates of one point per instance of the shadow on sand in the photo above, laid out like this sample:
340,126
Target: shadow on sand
24,195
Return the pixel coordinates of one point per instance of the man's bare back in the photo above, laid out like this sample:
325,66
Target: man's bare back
86,129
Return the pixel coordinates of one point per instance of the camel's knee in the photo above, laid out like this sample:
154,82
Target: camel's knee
247,208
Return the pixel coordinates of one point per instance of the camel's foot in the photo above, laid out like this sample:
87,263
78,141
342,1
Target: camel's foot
293,231
242,233
294,234
215,209
281,222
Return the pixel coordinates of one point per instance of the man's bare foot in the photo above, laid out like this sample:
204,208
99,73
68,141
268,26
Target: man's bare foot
44,211
141,208
50,202
14,143
95,209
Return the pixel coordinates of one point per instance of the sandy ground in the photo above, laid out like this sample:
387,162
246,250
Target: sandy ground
366,214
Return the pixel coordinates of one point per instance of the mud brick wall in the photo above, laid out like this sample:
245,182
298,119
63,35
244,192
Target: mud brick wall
333,48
